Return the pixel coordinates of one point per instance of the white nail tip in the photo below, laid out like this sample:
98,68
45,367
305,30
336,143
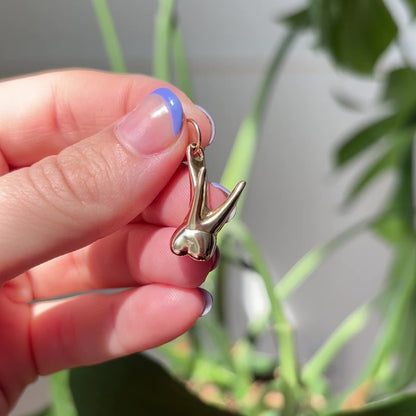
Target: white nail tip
211,121
208,301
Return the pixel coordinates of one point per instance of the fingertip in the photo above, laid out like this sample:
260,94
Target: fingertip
211,122
166,311
204,121
93,328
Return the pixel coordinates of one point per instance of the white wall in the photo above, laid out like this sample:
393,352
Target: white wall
294,196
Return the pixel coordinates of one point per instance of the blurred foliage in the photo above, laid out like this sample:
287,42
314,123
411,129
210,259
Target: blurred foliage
412,5
233,375
354,33
400,405
109,36
133,385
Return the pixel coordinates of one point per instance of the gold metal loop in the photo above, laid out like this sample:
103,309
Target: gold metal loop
198,143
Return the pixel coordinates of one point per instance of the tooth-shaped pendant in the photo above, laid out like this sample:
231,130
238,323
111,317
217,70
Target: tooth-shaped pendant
197,236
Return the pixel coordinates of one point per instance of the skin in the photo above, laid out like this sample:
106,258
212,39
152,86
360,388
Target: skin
62,234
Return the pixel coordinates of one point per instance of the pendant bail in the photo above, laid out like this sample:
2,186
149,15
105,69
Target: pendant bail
196,145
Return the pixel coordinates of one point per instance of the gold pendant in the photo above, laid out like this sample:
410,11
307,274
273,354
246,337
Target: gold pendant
197,236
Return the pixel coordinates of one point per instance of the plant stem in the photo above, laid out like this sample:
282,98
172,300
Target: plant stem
314,258
220,339
275,65
219,290
181,64
392,325
109,36
316,366
163,30
281,325
242,155
62,401
306,266
404,269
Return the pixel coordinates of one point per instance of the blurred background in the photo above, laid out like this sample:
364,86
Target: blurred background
294,197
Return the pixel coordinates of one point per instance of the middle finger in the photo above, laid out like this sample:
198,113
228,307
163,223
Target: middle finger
139,254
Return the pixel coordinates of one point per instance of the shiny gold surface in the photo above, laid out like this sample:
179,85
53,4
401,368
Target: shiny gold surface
197,236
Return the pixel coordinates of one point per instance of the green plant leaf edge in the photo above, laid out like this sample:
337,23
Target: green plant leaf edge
398,405
134,385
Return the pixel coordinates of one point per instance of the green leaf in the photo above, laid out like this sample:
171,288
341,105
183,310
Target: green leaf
313,370
133,385
399,143
62,401
400,369
395,274
207,371
219,336
381,165
400,295
402,199
392,228
307,264
364,139
412,5
400,85
262,365
179,355
355,33
405,364
43,412
299,20
242,356
400,405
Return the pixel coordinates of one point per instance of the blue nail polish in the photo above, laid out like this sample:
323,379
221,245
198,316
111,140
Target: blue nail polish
227,192
208,301
175,108
221,187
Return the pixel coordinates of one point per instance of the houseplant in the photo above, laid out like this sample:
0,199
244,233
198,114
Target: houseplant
233,375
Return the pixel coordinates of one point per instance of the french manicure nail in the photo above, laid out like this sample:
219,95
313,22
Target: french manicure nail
153,125
208,301
226,192
175,107
211,121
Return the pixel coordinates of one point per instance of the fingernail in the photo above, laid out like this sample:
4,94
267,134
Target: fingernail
208,301
226,192
152,126
211,121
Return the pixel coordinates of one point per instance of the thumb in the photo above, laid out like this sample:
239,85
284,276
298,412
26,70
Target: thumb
91,188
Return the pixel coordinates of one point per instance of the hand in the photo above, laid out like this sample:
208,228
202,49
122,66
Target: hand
84,206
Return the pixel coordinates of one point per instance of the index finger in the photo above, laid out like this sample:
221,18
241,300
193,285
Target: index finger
43,113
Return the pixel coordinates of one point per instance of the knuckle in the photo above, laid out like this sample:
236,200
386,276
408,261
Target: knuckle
77,184
84,174
75,180
62,118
